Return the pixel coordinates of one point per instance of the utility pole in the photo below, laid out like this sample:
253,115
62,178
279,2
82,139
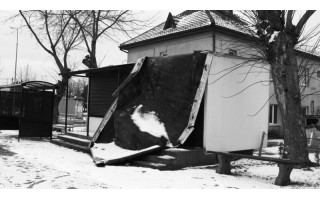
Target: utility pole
15,73
15,65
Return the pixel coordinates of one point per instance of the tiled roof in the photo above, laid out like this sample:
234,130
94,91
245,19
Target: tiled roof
193,19
189,20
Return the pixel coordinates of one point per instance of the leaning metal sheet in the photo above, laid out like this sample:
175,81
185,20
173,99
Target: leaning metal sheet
110,153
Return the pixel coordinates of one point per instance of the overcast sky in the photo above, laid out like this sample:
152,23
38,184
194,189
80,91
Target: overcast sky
30,53
108,53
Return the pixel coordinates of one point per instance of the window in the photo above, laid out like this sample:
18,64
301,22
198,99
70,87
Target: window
232,52
273,114
312,107
163,54
304,110
306,77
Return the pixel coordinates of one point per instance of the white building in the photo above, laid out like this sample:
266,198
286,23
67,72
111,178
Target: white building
193,31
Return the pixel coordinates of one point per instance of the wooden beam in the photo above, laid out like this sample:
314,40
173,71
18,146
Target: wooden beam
104,121
261,142
263,158
197,100
132,74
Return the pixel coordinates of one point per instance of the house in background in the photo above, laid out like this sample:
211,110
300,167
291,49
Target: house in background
221,32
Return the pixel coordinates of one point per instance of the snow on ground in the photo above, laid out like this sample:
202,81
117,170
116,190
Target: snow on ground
35,163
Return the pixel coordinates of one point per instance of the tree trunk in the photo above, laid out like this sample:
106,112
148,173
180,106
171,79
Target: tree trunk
284,70
60,93
93,54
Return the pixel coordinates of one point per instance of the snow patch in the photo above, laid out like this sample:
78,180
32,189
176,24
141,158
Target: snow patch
149,122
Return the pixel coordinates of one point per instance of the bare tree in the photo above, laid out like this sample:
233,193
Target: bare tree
96,24
272,38
76,87
277,41
26,74
57,35
60,32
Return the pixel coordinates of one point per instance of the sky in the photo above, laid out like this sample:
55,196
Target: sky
40,62
31,53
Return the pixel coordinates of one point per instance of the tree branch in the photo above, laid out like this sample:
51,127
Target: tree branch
302,22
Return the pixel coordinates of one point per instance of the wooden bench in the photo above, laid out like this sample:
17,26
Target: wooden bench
285,165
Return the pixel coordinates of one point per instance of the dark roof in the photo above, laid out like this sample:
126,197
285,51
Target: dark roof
32,85
100,69
190,20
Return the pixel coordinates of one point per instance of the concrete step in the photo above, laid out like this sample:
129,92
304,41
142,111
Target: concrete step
164,159
74,140
142,163
70,145
75,134
177,158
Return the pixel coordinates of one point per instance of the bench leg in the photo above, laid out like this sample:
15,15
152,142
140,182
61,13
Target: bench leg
283,178
224,164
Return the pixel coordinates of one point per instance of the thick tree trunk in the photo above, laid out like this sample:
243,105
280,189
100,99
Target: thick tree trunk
284,70
60,93
93,54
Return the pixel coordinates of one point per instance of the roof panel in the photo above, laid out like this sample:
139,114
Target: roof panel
34,85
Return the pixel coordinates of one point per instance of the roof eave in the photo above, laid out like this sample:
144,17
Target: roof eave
161,38
97,70
182,34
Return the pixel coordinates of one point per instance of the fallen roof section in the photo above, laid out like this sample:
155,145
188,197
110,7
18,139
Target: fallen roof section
87,72
110,153
155,108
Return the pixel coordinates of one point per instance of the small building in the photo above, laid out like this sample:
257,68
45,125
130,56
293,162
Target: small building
75,106
102,83
27,107
193,30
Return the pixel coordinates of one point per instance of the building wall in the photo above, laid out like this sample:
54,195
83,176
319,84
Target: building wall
188,44
231,120
178,46
224,44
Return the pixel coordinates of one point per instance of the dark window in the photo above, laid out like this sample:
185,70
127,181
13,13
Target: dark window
273,114
163,54
232,52
312,107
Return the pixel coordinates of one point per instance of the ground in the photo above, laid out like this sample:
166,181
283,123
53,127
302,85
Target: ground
35,163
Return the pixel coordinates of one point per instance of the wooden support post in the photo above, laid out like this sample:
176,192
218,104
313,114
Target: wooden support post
283,177
88,104
66,114
21,110
224,164
261,143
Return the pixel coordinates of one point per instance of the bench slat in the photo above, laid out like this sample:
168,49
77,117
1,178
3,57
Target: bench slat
263,158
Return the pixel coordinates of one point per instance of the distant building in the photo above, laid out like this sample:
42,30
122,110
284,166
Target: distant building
194,31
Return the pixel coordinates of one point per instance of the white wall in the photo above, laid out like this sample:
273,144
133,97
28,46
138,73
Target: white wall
94,123
182,45
227,124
